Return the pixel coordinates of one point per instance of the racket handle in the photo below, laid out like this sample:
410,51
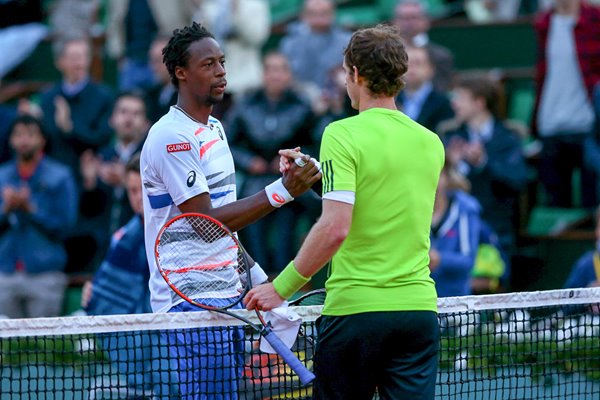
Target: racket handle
288,356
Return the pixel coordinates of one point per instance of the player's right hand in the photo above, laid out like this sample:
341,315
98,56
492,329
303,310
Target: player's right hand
298,180
287,157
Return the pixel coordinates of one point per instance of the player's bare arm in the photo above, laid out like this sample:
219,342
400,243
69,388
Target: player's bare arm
322,242
243,212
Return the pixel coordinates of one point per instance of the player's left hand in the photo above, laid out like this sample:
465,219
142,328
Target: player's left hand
264,297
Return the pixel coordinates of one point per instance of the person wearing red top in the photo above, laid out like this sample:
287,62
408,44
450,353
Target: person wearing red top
568,69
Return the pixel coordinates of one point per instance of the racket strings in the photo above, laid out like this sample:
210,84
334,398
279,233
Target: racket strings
200,259
313,298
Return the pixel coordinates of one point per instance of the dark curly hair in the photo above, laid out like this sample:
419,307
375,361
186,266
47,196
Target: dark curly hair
175,53
379,56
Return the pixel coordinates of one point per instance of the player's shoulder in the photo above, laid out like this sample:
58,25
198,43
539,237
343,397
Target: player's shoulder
214,122
169,129
343,124
217,127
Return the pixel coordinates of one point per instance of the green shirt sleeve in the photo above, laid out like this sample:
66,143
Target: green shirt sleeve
338,160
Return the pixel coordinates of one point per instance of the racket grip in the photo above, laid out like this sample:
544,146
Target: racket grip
288,356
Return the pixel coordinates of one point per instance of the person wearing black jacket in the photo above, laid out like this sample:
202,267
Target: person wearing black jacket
271,118
488,152
421,101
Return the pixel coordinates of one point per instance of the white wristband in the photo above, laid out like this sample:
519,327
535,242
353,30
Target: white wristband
278,194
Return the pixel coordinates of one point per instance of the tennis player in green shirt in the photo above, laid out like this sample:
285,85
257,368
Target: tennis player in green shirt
379,327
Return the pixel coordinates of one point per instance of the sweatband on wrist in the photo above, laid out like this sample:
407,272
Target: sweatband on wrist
289,281
278,194
257,275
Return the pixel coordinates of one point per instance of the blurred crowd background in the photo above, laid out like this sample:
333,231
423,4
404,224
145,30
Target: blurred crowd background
511,87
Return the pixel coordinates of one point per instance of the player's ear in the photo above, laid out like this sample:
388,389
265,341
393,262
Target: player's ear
355,73
180,73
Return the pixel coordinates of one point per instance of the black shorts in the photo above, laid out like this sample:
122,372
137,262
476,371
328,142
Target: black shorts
394,352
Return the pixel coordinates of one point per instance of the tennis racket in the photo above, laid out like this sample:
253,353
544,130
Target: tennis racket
313,298
205,264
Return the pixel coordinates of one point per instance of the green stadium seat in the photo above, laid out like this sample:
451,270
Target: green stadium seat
520,104
552,221
435,8
284,10
358,16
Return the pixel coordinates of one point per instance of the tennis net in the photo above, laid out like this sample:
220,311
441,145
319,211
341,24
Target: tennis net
533,345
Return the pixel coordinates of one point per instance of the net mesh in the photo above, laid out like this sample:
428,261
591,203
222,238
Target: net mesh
520,346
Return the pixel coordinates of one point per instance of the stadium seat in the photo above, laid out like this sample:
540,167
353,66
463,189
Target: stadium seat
520,104
552,221
358,16
284,10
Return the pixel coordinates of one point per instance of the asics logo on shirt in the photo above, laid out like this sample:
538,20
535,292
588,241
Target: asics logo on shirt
191,179
213,126
278,199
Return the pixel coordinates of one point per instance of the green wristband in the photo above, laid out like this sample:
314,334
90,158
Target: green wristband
289,281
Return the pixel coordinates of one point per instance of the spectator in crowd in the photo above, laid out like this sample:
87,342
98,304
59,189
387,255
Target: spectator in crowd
76,110
8,113
591,150
241,41
271,118
586,270
38,206
120,286
104,196
333,105
413,22
488,152
491,272
161,96
76,114
568,68
132,26
73,19
420,100
313,45
21,30
455,232
484,11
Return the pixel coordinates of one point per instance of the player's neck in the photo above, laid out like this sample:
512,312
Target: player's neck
367,102
195,113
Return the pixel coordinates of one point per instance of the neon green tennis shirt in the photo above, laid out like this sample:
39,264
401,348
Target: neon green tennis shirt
392,164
